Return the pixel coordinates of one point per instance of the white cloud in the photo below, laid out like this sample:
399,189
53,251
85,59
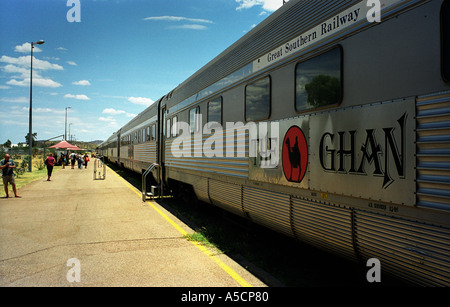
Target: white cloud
82,82
16,99
16,69
36,82
4,87
108,119
26,48
44,110
21,66
190,27
113,111
78,97
117,112
176,19
268,5
25,61
110,122
71,63
186,20
141,101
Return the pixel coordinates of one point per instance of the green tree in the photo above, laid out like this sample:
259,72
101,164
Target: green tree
7,144
323,90
33,139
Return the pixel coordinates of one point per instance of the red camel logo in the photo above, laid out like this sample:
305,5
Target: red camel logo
295,154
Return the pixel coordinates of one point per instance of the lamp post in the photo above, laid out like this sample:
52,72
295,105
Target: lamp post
30,134
65,129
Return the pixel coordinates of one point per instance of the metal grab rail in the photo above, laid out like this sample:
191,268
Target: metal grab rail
144,182
100,164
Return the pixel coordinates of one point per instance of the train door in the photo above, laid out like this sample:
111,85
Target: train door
161,144
118,147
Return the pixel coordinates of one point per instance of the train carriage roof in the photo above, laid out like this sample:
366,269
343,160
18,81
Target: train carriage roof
278,28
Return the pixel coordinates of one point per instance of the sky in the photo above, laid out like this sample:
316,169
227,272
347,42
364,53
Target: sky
106,59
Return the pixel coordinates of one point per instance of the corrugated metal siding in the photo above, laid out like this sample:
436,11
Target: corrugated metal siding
268,208
408,249
124,152
226,195
145,152
433,151
201,189
327,227
231,166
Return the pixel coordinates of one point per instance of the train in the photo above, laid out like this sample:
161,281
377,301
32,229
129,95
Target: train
328,122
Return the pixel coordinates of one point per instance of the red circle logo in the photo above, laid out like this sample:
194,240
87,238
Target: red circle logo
294,155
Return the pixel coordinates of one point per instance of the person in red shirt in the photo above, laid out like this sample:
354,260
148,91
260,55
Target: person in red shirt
50,161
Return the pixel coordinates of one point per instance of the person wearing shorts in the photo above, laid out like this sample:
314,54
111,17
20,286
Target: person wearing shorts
7,166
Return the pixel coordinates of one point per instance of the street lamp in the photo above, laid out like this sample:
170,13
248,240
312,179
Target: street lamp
69,132
65,129
30,136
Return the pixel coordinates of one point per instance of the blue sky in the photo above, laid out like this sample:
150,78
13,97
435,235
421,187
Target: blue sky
122,56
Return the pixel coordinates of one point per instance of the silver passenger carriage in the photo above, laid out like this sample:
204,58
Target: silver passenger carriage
340,128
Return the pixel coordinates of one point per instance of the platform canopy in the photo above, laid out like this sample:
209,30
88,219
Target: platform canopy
65,145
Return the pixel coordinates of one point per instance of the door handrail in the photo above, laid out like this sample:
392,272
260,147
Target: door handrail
144,180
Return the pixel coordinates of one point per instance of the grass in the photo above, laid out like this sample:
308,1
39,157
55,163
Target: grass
201,239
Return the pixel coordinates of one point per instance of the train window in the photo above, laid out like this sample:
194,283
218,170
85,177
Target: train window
257,100
194,122
168,130
174,126
153,132
318,81
215,111
445,24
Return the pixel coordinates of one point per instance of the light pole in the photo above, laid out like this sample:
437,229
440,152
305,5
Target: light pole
65,129
30,134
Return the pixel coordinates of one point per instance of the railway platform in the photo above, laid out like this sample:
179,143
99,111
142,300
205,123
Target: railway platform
78,231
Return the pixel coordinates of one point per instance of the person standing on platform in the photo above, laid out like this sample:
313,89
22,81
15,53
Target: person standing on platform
7,166
86,160
72,159
50,162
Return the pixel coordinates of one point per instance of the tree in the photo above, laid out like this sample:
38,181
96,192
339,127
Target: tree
33,139
323,90
7,144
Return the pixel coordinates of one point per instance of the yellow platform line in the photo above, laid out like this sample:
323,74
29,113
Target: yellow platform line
205,250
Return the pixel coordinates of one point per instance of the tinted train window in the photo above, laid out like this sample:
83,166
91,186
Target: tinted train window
193,119
174,126
257,100
147,134
215,111
168,130
446,40
318,81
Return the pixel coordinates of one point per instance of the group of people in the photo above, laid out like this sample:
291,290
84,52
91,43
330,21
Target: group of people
7,166
74,158
64,160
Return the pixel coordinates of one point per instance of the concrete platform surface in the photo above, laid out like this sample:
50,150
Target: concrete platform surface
77,231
